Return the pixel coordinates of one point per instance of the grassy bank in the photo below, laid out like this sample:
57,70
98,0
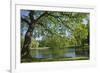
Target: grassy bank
58,59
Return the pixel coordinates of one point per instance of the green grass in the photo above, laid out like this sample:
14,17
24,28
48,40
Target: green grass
63,59
58,59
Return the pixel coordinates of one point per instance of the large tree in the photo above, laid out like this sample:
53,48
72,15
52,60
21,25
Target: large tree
31,21
47,23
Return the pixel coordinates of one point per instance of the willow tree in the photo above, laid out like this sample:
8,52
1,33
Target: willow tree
46,23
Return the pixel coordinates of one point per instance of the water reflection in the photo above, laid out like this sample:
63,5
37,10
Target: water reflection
54,53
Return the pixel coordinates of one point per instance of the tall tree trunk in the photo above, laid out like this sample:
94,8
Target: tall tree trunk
25,52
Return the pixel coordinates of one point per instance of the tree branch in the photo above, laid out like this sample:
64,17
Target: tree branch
48,30
41,16
66,25
31,15
34,21
59,20
23,19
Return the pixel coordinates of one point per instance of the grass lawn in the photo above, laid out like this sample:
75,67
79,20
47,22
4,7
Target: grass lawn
60,59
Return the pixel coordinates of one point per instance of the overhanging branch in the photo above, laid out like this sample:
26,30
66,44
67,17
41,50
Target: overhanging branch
59,20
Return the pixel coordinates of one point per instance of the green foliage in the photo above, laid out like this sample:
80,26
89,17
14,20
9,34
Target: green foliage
34,44
80,33
56,25
57,30
54,22
55,42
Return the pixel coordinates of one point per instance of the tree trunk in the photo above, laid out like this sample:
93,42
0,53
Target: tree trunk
25,52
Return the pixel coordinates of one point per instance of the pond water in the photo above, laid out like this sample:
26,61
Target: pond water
53,53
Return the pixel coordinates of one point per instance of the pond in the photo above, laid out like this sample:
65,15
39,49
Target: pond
55,53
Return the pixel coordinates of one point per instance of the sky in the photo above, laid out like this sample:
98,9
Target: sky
24,13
